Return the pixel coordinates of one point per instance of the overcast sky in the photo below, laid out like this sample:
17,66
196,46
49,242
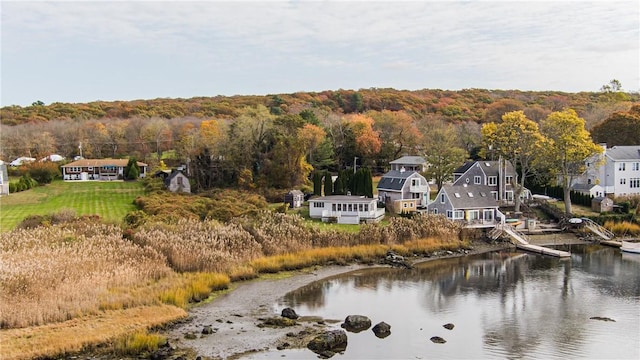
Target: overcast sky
125,50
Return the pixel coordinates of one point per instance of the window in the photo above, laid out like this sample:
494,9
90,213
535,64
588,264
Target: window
360,207
458,214
350,207
339,207
509,179
495,195
318,204
622,166
493,180
634,183
476,180
470,194
333,207
623,181
442,198
456,195
635,166
404,205
435,211
366,207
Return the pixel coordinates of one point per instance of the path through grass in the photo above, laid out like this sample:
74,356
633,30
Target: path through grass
110,200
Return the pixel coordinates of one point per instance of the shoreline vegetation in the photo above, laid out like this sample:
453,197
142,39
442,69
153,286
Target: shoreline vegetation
59,280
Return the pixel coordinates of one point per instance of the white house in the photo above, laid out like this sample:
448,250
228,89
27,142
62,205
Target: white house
473,205
409,163
403,191
616,170
4,179
345,209
98,169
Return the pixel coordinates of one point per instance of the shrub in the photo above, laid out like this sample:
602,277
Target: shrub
43,172
138,343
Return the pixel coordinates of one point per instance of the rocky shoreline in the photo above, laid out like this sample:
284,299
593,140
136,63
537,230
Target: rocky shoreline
244,320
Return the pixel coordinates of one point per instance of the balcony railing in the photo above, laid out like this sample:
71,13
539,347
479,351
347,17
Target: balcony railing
419,188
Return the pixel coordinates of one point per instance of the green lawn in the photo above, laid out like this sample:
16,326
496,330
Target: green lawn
111,200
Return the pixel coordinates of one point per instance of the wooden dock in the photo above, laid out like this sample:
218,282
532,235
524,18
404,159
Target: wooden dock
523,243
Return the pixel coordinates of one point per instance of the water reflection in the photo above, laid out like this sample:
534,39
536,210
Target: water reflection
504,305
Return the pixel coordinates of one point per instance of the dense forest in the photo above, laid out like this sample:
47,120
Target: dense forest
277,140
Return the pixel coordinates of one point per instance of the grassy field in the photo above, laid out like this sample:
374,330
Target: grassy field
111,200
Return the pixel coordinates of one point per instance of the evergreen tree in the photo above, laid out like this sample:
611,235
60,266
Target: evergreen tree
368,183
328,184
131,171
317,183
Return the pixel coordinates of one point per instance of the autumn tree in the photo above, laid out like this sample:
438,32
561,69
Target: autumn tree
621,128
494,112
568,144
398,133
365,139
517,140
441,152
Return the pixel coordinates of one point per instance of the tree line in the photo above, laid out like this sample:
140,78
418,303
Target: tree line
279,144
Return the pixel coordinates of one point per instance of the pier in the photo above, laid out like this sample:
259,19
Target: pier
522,242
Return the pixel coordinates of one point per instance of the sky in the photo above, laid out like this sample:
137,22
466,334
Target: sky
82,51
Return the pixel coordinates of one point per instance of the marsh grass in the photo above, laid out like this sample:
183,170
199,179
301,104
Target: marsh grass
138,342
81,269
53,340
624,228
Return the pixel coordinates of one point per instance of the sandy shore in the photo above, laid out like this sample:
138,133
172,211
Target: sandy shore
235,316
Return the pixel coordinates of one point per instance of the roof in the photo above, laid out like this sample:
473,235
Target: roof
296,192
394,179
490,168
579,187
413,160
344,198
101,162
173,174
624,152
470,196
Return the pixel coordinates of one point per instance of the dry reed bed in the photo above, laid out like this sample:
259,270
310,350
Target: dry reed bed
56,273
52,274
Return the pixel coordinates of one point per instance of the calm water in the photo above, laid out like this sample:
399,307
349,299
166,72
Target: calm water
503,305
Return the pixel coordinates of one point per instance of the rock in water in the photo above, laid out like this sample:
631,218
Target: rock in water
438,340
448,326
601,318
329,343
382,330
356,323
289,313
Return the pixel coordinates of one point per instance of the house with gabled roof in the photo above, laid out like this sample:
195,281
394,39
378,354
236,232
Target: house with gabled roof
403,191
616,170
474,205
177,181
98,169
499,176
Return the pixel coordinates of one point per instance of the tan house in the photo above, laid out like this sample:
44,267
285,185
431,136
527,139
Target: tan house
98,169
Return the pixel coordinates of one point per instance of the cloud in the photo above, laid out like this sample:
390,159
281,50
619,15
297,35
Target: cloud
491,43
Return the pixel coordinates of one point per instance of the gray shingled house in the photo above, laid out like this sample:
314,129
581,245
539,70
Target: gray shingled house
474,205
403,191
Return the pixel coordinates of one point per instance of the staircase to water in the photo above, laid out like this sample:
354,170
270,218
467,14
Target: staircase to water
597,229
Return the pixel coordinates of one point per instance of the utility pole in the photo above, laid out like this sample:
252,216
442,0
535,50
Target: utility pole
355,158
